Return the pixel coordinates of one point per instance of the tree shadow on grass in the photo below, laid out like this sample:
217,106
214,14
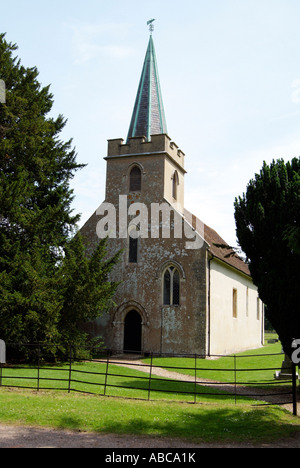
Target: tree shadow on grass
71,423
235,424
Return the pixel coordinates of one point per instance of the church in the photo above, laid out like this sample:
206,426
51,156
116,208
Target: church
180,290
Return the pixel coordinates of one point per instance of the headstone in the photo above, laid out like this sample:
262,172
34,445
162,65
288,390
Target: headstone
2,352
286,370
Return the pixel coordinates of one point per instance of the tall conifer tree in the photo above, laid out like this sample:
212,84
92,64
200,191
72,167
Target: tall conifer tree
268,229
36,219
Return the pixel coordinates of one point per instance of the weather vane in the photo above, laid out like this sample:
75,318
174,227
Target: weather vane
151,25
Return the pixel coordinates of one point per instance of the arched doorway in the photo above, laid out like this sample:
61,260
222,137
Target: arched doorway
133,332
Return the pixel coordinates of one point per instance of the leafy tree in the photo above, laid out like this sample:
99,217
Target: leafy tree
267,225
85,287
36,218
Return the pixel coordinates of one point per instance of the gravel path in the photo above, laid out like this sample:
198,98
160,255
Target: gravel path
33,437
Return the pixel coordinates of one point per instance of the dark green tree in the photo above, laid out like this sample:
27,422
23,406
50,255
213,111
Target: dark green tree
267,226
85,287
36,219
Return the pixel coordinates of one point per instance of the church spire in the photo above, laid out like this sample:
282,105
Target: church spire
148,116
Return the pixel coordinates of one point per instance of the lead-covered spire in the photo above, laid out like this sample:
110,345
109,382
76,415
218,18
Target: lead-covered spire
148,116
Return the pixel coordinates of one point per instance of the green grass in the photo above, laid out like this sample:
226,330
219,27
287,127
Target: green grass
134,417
251,366
89,377
216,419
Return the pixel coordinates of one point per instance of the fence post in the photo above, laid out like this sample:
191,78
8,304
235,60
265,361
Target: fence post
195,390
38,377
150,375
235,379
294,378
106,372
70,369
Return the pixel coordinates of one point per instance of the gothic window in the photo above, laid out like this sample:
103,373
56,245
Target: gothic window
175,183
167,287
171,286
135,180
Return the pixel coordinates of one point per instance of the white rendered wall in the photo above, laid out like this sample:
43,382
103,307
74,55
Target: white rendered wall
229,334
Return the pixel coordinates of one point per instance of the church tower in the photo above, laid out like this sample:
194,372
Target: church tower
149,167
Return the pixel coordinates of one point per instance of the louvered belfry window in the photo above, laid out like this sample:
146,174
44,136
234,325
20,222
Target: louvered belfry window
135,182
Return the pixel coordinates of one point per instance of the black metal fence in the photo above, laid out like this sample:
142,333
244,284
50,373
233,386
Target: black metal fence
189,378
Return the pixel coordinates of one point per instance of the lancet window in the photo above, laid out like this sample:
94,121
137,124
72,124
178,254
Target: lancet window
171,286
135,179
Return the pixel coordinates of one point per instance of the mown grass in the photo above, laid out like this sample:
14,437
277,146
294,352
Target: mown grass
135,417
90,377
255,366
216,419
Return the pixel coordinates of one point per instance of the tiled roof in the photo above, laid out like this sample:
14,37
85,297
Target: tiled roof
221,250
148,116
216,245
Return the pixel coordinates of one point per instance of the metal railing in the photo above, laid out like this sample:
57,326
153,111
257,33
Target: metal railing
157,377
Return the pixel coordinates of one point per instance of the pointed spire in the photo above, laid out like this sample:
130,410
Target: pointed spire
148,116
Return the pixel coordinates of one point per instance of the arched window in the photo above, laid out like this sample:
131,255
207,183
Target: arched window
171,286
175,183
135,180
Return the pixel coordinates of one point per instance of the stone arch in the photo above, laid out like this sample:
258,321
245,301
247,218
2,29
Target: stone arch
119,322
124,308
168,264
137,164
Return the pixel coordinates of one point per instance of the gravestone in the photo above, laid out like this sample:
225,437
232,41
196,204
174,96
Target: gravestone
286,370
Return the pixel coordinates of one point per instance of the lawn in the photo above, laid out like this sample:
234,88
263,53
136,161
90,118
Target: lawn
135,417
215,419
90,377
255,366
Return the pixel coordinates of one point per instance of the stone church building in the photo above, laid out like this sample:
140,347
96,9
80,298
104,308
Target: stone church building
179,290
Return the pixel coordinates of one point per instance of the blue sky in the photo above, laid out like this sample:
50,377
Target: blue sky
229,73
